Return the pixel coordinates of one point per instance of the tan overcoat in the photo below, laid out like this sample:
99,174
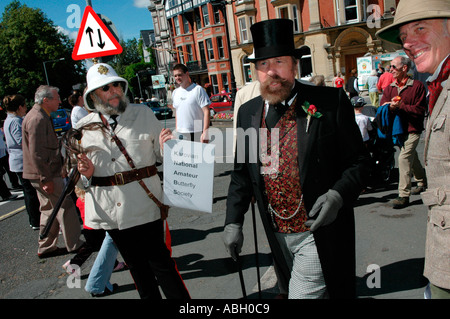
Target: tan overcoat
437,196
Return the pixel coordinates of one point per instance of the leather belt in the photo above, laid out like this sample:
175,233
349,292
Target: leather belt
123,178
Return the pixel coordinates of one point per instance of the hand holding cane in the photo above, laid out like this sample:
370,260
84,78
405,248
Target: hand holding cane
68,188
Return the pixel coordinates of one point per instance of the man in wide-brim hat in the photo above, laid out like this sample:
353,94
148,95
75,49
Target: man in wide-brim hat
423,29
306,184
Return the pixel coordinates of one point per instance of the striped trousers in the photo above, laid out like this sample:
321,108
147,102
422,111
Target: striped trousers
300,252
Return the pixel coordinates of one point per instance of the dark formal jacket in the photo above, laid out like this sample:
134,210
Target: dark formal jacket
331,155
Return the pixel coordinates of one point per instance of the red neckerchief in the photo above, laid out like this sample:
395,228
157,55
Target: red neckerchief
435,87
402,83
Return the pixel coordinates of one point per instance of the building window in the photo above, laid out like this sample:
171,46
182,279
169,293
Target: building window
305,62
283,13
185,25
351,11
247,70
209,47
290,12
205,15
190,56
176,24
216,14
295,19
243,30
198,20
201,49
220,47
225,82
214,83
180,54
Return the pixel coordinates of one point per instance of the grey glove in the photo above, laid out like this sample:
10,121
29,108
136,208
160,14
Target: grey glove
233,239
327,206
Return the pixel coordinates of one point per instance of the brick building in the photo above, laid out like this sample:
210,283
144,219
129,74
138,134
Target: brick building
331,34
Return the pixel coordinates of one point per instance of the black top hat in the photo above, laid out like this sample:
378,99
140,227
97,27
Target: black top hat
272,38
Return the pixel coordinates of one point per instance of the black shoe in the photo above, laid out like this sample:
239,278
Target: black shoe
400,202
107,292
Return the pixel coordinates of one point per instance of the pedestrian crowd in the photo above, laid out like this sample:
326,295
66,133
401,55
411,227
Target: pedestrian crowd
304,189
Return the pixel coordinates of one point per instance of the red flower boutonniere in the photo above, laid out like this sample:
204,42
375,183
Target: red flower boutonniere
311,111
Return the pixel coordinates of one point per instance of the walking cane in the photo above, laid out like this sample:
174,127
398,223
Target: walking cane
68,188
241,276
256,249
70,185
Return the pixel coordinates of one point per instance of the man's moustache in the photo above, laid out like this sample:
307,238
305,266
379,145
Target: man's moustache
115,96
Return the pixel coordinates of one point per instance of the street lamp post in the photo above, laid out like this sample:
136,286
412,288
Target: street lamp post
139,82
45,69
221,4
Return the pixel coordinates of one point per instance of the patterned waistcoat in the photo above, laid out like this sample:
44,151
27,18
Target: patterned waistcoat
282,181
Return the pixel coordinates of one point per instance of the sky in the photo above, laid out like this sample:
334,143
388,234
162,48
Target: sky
128,16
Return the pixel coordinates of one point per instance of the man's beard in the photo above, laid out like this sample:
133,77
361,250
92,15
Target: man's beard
279,94
106,108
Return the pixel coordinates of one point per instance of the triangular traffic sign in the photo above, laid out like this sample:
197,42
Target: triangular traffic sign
94,38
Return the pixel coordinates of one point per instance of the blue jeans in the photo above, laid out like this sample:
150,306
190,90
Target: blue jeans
102,268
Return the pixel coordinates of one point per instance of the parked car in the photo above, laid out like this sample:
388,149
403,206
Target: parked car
61,121
161,112
220,102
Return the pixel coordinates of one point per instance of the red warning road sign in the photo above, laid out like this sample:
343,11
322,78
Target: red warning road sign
94,39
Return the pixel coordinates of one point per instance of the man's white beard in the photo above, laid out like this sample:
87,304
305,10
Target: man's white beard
106,108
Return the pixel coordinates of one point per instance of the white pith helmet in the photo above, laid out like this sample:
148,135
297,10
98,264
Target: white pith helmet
99,75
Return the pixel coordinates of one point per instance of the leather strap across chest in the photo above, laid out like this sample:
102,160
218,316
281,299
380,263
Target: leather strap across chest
135,173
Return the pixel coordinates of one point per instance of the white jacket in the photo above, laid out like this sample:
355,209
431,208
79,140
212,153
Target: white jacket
124,206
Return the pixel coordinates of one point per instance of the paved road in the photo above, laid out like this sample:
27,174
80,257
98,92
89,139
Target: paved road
389,241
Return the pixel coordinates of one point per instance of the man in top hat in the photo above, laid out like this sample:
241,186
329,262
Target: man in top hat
423,29
299,152
118,197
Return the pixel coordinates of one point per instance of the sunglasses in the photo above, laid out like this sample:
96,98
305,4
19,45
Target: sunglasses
393,66
107,87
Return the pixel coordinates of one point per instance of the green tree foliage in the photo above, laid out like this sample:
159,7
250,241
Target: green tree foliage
28,39
131,62
144,71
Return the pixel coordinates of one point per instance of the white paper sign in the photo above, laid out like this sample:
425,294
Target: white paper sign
189,175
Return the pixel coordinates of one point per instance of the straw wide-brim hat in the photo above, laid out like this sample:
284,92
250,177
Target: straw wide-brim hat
414,10
99,75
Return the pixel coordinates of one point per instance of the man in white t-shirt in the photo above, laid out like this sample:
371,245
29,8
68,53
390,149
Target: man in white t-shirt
192,106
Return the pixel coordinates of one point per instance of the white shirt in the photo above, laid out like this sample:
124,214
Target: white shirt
364,124
77,114
188,104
